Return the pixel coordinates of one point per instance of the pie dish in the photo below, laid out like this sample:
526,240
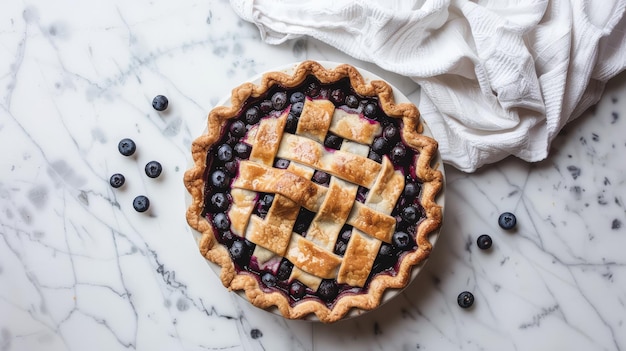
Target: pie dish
314,191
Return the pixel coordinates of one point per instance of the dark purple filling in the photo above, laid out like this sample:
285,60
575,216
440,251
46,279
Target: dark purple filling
222,166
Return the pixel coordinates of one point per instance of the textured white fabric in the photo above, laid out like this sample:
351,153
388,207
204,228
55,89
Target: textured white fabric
498,77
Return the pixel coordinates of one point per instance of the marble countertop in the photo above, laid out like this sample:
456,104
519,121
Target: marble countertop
81,270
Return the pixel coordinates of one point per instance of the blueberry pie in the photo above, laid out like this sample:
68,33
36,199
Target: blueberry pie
314,191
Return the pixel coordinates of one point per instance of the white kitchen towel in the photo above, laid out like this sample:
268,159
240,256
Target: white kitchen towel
498,77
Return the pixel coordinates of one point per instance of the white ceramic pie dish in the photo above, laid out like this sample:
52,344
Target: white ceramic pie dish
437,163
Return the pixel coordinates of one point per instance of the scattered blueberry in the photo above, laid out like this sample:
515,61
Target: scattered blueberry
266,201
221,221
269,280
337,96
281,163
380,145
369,110
401,240
296,108
279,100
398,153
153,169
242,150
238,129
391,132
219,179
507,220
225,153
322,178
220,201
117,180
352,101
141,203
328,290
284,270
484,242
298,96
160,103
409,214
465,299
253,115
265,106
346,234
237,250
255,333
292,123
127,147
332,141
411,190
297,290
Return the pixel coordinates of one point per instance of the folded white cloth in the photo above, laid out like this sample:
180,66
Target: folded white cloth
498,77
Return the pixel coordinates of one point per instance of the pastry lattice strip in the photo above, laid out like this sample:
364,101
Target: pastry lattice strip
313,256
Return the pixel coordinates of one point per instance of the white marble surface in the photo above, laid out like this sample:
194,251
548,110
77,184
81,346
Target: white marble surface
81,270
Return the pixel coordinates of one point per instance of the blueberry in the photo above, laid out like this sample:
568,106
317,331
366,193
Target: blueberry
219,179
238,129
361,194
374,156
298,96
465,299
292,123
322,178
220,201
352,101
328,290
296,108
369,110
225,153
265,106
237,250
117,180
253,115
231,167
332,141
346,234
126,147
221,221
242,150
266,200
409,214
337,96
153,169
411,190
340,248
281,163
391,133
386,251
398,153
279,100
313,89
141,203
380,145
385,259
507,220
484,242
297,290
160,103
284,270
269,280
401,240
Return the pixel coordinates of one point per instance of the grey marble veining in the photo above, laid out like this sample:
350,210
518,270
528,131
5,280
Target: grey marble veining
81,270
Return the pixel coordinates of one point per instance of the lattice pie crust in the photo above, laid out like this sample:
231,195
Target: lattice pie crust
333,204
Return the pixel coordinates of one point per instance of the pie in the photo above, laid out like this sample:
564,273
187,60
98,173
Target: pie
314,191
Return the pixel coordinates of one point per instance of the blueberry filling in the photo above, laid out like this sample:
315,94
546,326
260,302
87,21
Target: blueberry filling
232,147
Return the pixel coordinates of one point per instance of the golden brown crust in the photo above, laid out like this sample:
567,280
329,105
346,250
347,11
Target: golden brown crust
431,177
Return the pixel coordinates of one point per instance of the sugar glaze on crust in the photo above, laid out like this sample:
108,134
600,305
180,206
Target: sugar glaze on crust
431,178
